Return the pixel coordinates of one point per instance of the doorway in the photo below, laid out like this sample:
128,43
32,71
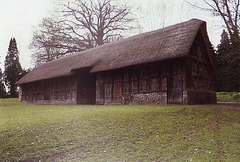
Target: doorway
86,92
174,89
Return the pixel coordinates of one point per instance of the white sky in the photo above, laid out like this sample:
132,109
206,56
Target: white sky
18,18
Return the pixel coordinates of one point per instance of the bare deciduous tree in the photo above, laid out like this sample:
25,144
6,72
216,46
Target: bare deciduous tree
155,15
51,41
103,20
80,25
229,12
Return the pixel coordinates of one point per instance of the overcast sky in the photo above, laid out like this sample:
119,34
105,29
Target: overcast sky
18,18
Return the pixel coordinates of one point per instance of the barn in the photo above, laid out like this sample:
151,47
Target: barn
173,65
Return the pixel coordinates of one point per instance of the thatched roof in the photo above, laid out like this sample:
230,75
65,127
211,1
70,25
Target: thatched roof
167,43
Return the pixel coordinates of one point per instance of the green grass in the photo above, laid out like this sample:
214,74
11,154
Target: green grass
228,96
117,133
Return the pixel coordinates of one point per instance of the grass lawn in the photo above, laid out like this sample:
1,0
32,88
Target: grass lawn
228,96
118,133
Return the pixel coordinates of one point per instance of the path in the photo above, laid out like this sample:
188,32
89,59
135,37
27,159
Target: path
229,105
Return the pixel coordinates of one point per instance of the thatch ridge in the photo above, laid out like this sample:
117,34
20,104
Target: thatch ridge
167,43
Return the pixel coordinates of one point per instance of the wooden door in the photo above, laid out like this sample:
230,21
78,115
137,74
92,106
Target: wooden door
174,90
178,89
117,91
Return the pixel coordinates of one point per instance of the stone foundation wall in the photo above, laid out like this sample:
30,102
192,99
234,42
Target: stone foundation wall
157,98
53,102
200,97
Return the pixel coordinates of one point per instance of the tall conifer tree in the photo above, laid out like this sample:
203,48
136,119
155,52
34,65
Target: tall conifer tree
13,68
227,77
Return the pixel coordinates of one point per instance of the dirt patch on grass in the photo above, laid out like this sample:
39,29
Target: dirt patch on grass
229,105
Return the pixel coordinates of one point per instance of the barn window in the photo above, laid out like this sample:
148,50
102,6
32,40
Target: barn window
145,85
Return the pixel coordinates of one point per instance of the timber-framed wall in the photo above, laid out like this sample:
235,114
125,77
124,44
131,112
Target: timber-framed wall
155,83
174,65
199,74
62,90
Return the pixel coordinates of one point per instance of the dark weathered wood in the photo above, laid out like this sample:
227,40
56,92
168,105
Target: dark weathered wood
86,91
52,91
134,84
198,67
187,79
